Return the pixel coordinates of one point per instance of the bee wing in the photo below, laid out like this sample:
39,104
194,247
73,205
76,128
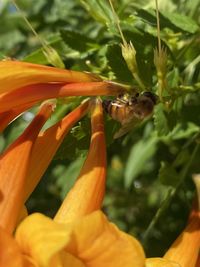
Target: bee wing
126,127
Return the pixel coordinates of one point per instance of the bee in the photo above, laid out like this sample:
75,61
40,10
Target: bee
130,109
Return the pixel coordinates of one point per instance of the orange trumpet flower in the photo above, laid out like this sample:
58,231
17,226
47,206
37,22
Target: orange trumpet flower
24,84
13,169
80,235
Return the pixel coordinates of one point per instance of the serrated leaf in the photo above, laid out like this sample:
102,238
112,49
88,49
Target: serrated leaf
160,120
183,130
140,154
76,40
181,21
173,20
117,64
168,175
98,9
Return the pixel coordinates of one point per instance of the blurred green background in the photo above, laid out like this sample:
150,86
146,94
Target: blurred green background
149,186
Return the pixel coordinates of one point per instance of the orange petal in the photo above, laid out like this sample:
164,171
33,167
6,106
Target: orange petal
8,116
39,92
198,261
47,144
10,254
13,170
185,249
97,242
88,191
16,74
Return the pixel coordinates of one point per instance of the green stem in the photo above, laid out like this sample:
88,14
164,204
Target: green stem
170,194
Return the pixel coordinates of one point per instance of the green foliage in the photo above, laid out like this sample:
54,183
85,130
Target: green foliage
140,154
149,169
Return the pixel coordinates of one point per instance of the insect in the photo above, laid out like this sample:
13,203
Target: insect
129,109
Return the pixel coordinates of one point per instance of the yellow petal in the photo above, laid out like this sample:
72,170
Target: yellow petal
35,93
92,242
88,192
47,144
70,260
13,170
16,74
160,262
10,254
97,242
43,240
185,249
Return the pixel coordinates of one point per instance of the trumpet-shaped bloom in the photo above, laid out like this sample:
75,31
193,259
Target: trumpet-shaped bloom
16,74
32,94
13,169
24,84
88,192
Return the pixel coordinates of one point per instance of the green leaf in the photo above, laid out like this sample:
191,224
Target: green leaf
173,78
174,21
140,154
182,130
181,21
68,176
99,10
38,56
77,41
168,175
76,143
161,120
117,64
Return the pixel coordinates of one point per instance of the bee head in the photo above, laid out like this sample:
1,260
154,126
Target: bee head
152,96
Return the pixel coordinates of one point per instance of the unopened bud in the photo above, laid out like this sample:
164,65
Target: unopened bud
129,55
160,61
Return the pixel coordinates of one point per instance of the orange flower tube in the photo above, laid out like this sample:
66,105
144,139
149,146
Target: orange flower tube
185,249
47,144
16,74
13,169
10,253
35,93
87,194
